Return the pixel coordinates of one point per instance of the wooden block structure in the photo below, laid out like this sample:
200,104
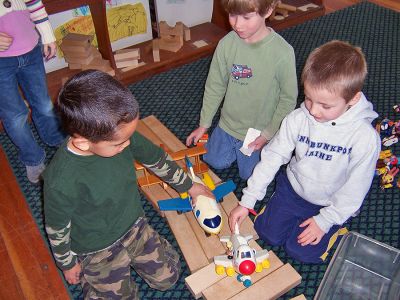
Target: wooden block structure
127,58
281,11
171,38
80,54
199,249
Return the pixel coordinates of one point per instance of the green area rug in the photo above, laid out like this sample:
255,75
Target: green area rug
175,98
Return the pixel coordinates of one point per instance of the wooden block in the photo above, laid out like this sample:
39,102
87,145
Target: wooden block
90,51
272,286
200,43
299,297
282,12
307,7
211,245
166,30
98,64
76,39
142,63
79,60
286,7
96,53
75,49
127,53
156,50
202,279
229,286
129,62
74,66
186,33
171,43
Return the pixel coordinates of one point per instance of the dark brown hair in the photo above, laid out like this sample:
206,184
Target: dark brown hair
92,104
338,67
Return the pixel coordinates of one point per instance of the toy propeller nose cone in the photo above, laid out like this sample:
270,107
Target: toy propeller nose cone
247,267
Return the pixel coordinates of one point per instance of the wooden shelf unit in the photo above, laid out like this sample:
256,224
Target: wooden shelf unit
211,33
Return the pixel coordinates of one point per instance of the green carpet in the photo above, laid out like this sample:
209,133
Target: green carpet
175,98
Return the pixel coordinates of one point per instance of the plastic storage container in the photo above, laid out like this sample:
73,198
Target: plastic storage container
362,268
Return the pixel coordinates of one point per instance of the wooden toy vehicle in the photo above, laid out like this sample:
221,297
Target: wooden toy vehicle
242,260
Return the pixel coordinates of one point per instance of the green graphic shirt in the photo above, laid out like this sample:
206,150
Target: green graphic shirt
256,83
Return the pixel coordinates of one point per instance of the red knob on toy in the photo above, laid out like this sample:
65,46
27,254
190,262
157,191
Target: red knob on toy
247,267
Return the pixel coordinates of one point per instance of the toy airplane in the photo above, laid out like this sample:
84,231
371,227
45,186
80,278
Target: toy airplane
206,210
243,259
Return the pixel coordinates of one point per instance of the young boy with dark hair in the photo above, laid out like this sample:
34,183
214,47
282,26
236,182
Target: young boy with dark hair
253,73
94,219
332,167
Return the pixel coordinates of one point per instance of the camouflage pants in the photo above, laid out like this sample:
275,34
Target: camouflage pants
107,274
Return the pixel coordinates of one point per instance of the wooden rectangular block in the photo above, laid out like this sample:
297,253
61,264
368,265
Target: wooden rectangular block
79,60
156,50
76,39
98,64
142,63
127,53
171,43
272,286
128,62
75,49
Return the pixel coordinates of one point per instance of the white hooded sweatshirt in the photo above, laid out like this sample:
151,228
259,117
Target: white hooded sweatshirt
332,166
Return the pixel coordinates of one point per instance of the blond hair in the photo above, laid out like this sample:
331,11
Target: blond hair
240,7
338,67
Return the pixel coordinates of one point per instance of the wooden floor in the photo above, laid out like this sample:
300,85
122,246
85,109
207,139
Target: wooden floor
27,270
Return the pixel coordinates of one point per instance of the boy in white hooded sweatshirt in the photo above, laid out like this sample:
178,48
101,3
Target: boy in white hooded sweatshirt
332,167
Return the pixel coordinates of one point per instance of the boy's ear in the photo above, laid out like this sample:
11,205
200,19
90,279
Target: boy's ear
80,143
269,12
355,99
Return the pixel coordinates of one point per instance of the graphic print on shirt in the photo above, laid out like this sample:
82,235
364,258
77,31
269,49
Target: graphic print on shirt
241,71
320,149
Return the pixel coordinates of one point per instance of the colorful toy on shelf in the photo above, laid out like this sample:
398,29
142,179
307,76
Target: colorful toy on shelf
242,259
206,210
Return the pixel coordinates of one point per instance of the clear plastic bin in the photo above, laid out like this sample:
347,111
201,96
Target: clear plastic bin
362,268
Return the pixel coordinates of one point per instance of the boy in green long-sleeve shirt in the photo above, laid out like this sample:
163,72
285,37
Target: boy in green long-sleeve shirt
253,73
93,216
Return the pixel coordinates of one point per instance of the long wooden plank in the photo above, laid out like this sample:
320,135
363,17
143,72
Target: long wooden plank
272,286
188,243
229,286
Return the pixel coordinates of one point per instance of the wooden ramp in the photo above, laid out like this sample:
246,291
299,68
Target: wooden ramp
199,249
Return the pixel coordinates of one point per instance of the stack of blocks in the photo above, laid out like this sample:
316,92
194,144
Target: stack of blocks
80,54
171,38
127,59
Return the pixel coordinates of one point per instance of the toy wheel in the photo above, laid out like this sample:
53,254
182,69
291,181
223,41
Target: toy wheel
247,283
266,264
259,268
230,271
220,270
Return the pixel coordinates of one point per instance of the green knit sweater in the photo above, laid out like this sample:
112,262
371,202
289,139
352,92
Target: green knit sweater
257,82
91,201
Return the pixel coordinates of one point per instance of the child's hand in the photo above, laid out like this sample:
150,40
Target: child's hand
73,275
49,50
195,136
237,215
198,189
312,234
5,41
258,143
